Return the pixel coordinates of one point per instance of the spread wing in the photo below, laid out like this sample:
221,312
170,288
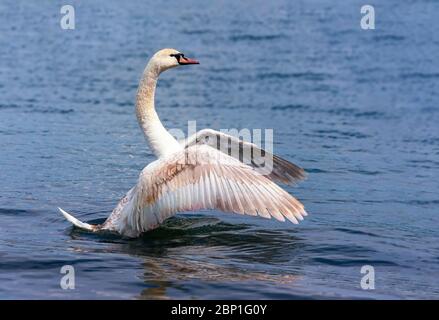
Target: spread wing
201,177
272,166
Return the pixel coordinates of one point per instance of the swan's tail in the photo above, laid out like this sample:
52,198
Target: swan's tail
79,224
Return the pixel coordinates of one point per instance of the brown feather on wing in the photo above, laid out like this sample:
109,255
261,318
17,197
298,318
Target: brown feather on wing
200,177
268,164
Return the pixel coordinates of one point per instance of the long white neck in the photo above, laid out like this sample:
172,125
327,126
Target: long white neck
160,140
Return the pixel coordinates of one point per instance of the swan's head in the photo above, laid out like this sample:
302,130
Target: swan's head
169,58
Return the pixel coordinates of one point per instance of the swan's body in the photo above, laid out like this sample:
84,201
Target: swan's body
197,173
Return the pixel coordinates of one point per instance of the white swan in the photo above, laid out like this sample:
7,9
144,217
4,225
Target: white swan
197,173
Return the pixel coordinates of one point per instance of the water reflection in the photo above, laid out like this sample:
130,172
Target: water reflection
164,273
204,249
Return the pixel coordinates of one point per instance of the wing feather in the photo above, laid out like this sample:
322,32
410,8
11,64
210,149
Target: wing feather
270,165
201,177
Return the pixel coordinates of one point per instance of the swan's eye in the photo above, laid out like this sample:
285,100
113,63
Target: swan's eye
177,56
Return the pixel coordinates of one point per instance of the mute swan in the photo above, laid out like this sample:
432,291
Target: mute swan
196,173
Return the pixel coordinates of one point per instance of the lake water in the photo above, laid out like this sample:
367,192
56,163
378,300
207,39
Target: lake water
358,109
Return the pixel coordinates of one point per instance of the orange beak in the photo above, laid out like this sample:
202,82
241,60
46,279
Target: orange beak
184,60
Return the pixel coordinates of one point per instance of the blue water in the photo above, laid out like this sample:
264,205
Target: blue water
359,110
